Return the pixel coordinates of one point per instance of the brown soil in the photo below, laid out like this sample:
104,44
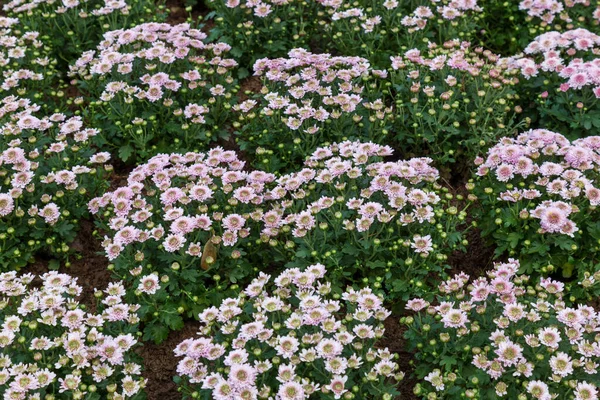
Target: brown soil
251,84
395,342
87,265
476,260
178,14
160,363
90,269
479,255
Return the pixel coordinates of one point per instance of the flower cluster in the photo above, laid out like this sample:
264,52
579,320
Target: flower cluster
48,170
73,26
544,192
308,99
388,223
156,87
563,71
23,61
379,25
568,13
265,28
297,341
455,97
504,336
187,218
195,217
52,346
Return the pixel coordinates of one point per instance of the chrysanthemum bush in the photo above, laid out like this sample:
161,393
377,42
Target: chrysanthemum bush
539,196
54,348
26,68
157,87
257,29
187,219
293,339
561,15
48,173
387,223
504,336
562,73
451,100
201,224
510,25
378,30
73,26
309,99
503,28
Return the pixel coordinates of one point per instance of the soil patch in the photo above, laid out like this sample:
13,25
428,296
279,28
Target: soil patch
178,14
88,264
394,340
160,364
478,258
252,84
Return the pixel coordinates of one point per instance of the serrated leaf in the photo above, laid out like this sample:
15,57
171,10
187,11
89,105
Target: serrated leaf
565,244
189,275
243,73
538,248
236,52
54,264
125,152
64,229
448,362
173,321
514,238
155,332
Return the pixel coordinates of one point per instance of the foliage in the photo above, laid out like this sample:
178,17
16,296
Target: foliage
451,100
309,99
562,74
26,68
257,29
379,30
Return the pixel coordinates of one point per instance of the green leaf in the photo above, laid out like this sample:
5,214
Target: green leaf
125,152
64,229
514,238
565,244
243,73
303,253
189,275
173,321
350,249
538,248
158,333
236,52
448,362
